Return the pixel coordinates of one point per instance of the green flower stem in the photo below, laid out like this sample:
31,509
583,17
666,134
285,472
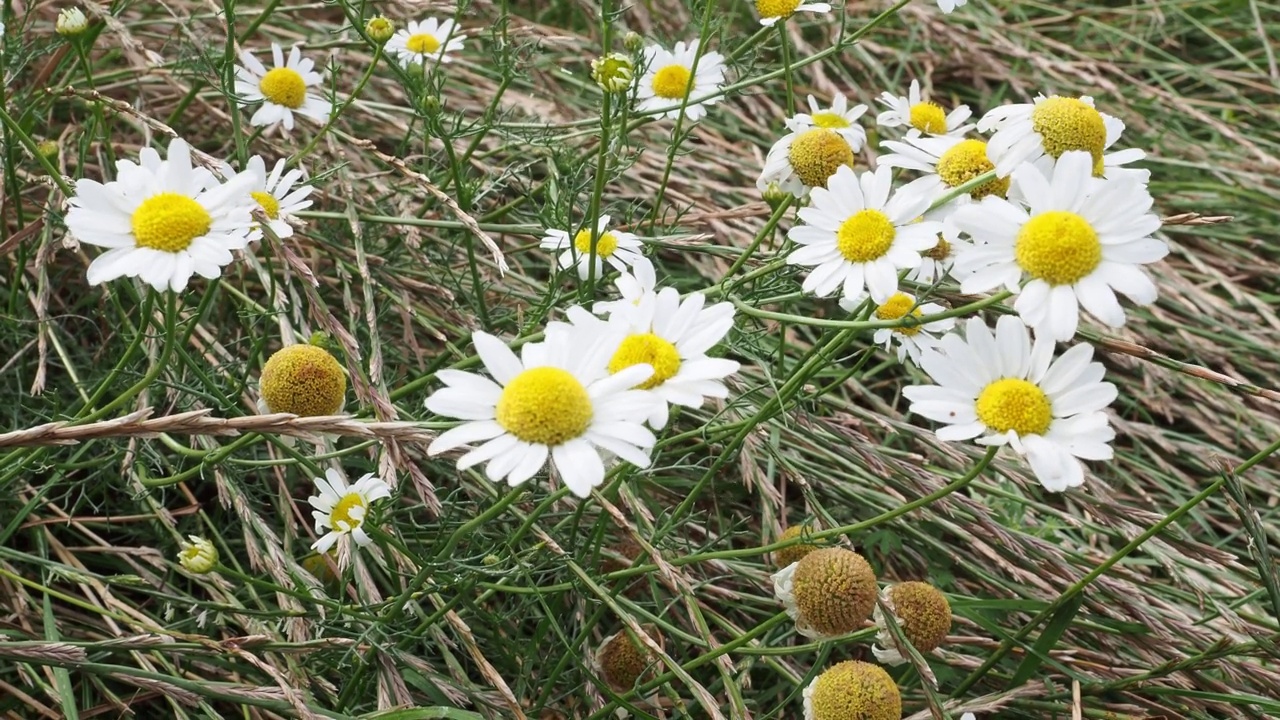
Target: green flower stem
785,41
32,148
765,231
337,113
170,343
588,290
906,321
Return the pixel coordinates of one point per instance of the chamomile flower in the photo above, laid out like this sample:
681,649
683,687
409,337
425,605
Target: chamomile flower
283,90
669,77
911,339
771,11
199,556
921,612
1083,240
274,194
920,115
622,662
1026,132
948,5
804,160
828,592
671,335
936,262
619,249
557,400
162,220
948,161
426,42
305,380
839,117
1002,389
341,509
633,287
852,690
859,233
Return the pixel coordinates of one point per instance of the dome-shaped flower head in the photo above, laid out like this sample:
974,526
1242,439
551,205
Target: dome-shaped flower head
923,614
829,592
853,690
304,380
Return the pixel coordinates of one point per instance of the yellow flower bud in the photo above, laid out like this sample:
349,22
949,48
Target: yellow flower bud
304,380
379,29
198,556
613,72
71,22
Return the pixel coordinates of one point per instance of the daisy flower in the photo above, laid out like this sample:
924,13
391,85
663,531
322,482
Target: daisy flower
619,249
936,262
557,400
1082,240
282,90
912,339
839,117
921,116
426,42
669,77
162,220
274,194
1003,390
672,336
632,286
858,234
804,160
771,11
1027,132
948,161
341,509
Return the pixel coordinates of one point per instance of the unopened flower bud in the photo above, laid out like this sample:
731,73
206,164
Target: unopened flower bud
633,41
199,556
379,29
613,72
71,22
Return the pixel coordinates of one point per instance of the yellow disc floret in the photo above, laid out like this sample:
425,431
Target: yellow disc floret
898,305
1070,124
923,613
929,118
967,160
854,690
672,82
303,380
623,661
169,222
830,120
605,244
1058,247
284,86
865,236
1015,404
651,349
270,206
545,406
423,44
776,8
793,553
816,155
834,590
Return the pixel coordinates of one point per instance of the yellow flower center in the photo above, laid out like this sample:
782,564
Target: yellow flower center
776,8
928,117
672,82
829,120
341,518
967,160
1014,404
923,613
896,307
854,689
651,349
816,155
605,244
270,206
423,44
834,590
304,380
284,86
1070,124
169,222
1058,247
545,406
865,236
939,252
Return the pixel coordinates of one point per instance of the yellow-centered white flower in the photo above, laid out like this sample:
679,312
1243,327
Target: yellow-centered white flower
1080,241
921,116
620,249
424,43
341,509
556,401
1002,389
771,11
805,159
275,195
1051,126
839,117
162,220
912,338
858,233
283,90
670,76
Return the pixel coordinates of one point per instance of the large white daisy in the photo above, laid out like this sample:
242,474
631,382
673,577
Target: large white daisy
425,42
1002,390
920,115
859,233
669,76
341,509
911,339
839,117
283,90
804,160
619,249
1027,132
771,11
557,400
274,194
163,220
1082,240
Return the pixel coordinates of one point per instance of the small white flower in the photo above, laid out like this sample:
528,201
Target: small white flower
858,233
633,287
669,77
619,249
948,161
911,339
1082,241
921,116
163,220
341,509
947,6
425,42
274,194
771,11
282,90
839,117
1027,132
1002,390
556,401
